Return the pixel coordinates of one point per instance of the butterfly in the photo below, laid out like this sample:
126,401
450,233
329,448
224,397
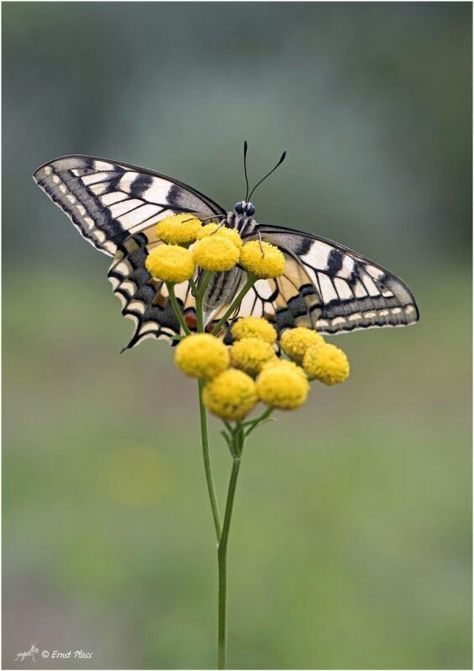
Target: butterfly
325,286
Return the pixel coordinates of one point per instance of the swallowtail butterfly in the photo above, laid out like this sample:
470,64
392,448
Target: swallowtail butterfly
115,207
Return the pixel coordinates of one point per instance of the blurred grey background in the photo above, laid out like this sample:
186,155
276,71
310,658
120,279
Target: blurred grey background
351,546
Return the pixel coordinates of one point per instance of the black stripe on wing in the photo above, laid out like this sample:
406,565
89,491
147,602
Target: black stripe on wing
144,299
286,301
348,291
108,201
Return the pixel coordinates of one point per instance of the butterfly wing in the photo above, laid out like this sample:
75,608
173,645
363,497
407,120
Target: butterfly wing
145,299
115,207
328,287
109,201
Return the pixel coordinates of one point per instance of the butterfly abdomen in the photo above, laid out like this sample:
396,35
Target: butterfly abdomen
223,288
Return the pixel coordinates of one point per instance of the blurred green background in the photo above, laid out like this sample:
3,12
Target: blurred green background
351,539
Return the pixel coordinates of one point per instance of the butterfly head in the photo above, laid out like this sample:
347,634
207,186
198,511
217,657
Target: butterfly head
245,208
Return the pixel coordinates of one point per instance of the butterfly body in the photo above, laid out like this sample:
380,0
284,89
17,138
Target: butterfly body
241,218
116,207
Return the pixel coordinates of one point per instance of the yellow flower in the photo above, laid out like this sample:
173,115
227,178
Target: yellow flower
215,253
230,395
284,363
180,229
281,387
295,342
219,230
249,354
202,355
326,363
170,263
262,259
254,327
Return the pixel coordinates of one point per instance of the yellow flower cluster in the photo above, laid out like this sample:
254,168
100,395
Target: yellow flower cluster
179,229
216,253
295,342
262,259
249,371
284,363
254,327
213,247
320,360
221,231
202,355
231,395
326,363
170,263
250,354
230,390
282,387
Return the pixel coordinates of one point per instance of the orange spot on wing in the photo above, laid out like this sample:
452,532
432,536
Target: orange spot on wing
190,320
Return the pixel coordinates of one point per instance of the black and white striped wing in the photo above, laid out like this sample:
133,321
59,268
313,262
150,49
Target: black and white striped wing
328,287
109,201
115,207
145,299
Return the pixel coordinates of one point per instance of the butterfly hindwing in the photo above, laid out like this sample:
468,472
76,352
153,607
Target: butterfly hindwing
110,201
145,299
324,286
333,289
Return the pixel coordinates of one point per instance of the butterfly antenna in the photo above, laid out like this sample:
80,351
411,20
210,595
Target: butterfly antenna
245,171
282,158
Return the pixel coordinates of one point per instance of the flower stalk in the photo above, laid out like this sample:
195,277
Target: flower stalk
176,307
207,463
235,437
235,304
237,442
232,380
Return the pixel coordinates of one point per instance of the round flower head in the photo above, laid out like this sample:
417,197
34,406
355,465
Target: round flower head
180,229
219,230
281,387
284,363
254,327
230,395
249,354
170,263
295,342
262,259
202,355
326,363
215,253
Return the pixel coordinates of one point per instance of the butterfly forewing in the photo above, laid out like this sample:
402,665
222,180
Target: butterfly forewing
336,289
109,201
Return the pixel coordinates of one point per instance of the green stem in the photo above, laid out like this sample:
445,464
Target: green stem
176,307
199,292
222,551
236,302
207,464
252,424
